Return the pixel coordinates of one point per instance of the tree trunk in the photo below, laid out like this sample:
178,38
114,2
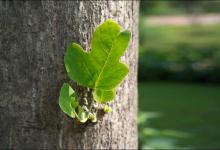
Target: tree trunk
34,36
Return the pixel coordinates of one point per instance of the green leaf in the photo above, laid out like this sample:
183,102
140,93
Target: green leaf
81,115
70,105
103,95
100,69
66,99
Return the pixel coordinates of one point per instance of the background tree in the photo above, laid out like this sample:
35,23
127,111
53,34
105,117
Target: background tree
34,37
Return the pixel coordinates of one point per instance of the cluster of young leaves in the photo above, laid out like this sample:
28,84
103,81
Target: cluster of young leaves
99,69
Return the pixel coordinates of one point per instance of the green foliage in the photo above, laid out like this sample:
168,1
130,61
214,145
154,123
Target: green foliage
100,69
183,53
173,7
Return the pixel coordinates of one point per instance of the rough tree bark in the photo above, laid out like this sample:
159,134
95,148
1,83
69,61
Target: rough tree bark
34,36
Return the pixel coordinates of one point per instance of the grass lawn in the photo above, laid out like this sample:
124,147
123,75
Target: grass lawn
186,107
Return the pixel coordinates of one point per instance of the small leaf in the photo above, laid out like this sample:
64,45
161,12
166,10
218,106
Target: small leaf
100,69
81,115
67,97
107,109
70,105
74,102
92,117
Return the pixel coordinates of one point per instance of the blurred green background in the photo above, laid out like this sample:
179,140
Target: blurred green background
179,74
